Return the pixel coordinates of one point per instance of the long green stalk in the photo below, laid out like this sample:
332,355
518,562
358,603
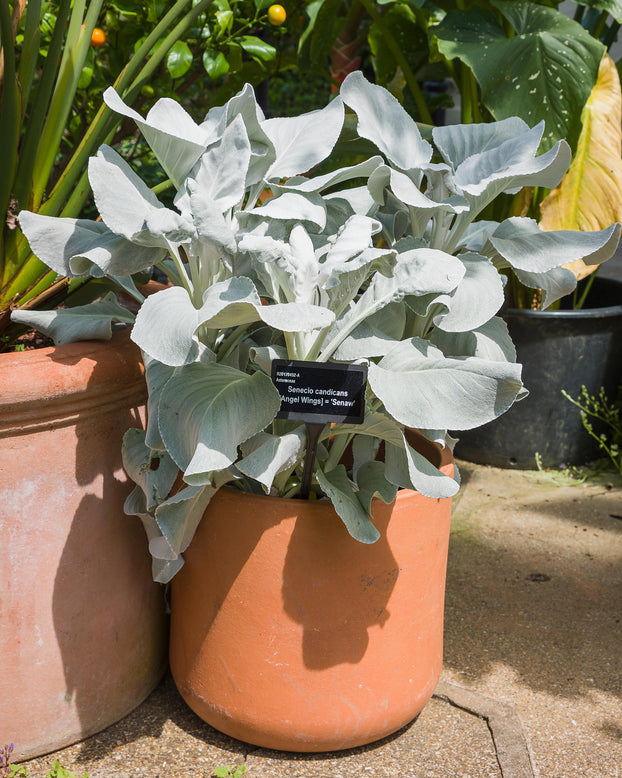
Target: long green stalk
137,72
62,99
10,111
396,50
30,49
22,182
22,271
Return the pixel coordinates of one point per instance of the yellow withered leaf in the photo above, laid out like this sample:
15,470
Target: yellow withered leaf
589,196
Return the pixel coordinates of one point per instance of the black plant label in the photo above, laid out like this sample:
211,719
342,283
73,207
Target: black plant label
320,392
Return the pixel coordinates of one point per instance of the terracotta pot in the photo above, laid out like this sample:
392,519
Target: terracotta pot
288,634
82,625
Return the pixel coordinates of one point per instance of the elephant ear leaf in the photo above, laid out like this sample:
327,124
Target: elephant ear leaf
589,196
545,71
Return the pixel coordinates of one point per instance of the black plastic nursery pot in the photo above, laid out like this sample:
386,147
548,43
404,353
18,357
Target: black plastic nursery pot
559,350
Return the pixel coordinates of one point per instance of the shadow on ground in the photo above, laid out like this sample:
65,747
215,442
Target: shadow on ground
535,584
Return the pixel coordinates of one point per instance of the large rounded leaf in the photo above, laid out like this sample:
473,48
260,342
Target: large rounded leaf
92,321
475,300
265,455
235,302
80,247
129,207
344,497
526,247
153,471
302,142
176,140
207,411
421,388
166,325
508,167
382,120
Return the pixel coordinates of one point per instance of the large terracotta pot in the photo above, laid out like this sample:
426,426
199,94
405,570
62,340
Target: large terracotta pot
82,625
288,634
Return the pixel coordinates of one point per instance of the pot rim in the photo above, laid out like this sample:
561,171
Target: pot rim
604,312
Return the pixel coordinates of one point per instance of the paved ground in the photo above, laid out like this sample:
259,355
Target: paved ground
532,683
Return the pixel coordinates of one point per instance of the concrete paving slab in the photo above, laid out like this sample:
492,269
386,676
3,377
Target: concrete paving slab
164,738
534,608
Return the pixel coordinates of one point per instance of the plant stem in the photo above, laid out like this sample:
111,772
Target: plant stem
578,304
337,449
10,111
231,341
396,50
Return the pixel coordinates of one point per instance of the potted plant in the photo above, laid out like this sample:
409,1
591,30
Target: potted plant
320,334
82,625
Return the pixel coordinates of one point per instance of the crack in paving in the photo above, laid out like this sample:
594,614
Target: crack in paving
511,746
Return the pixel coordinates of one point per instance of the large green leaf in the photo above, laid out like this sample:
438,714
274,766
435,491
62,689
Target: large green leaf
257,48
545,71
400,20
179,59
320,34
614,7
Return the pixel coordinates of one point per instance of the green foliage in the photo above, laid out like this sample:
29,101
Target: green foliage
58,771
598,408
226,771
544,70
520,58
385,262
8,770
51,112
